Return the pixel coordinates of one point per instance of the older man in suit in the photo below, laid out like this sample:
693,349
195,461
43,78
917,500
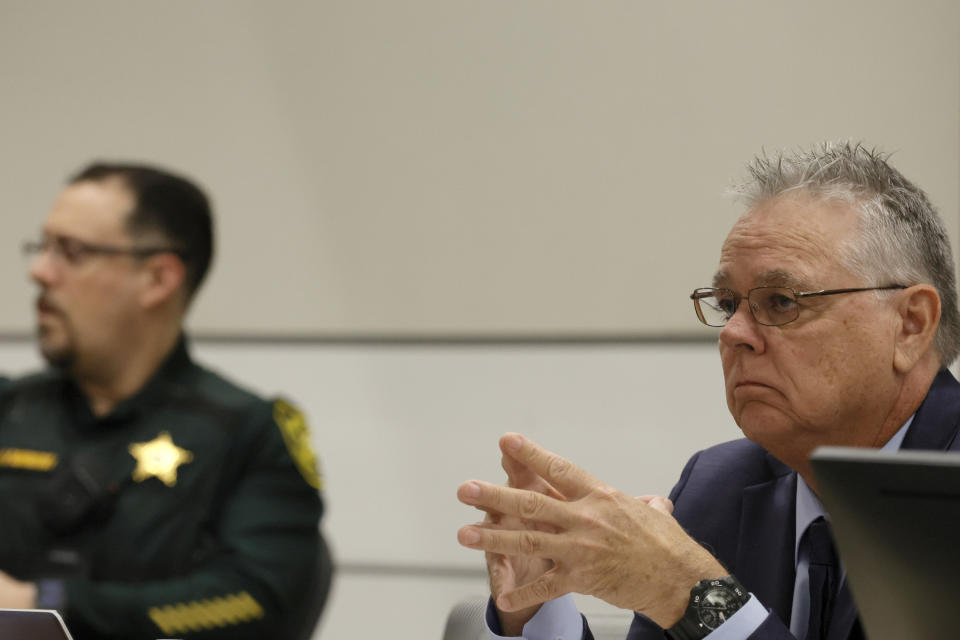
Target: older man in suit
836,302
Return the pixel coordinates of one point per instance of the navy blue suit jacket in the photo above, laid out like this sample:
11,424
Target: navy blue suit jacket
740,502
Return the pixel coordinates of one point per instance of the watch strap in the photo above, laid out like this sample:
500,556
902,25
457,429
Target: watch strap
686,629
689,626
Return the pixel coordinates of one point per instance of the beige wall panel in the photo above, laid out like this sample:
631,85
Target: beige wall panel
454,167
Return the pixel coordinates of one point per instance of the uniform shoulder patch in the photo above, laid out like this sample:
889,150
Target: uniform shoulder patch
296,435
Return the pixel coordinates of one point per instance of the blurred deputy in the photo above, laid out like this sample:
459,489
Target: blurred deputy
142,495
836,305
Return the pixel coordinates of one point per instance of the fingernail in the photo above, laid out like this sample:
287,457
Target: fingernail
471,490
469,536
513,442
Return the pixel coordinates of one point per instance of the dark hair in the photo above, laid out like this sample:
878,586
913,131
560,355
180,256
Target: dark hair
168,204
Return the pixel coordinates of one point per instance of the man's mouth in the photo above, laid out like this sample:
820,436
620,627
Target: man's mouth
750,383
45,307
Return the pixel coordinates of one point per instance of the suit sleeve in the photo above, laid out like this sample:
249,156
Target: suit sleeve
770,628
251,585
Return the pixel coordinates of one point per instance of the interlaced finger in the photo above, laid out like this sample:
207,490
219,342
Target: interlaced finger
527,542
569,479
526,505
521,476
547,587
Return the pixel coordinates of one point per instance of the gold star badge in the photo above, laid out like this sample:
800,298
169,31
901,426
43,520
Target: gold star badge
158,458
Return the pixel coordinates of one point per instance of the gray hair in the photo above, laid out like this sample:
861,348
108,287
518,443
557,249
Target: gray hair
902,238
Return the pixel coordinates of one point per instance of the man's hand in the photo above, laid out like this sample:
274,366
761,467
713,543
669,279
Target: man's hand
508,572
15,594
627,551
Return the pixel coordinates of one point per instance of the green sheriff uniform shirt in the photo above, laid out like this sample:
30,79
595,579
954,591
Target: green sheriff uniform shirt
190,511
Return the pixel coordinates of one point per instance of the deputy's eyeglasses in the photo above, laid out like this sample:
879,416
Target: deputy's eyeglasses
771,306
74,251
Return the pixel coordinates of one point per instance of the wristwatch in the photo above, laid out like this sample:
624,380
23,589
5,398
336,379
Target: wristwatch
712,602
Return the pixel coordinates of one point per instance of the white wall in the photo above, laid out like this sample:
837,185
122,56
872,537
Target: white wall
398,427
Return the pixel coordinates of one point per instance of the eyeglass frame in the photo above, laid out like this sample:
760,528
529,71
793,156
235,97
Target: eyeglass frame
738,298
80,250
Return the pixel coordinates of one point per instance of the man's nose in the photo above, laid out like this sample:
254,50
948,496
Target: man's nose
41,268
742,329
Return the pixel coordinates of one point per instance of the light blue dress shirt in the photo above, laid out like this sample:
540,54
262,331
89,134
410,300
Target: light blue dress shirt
556,620
560,620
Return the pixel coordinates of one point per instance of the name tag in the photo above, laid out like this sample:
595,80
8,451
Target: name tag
28,459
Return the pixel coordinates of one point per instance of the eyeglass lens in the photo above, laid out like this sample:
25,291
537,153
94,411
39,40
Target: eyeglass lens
769,305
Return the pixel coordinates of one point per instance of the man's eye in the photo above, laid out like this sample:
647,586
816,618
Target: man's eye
70,249
726,304
779,303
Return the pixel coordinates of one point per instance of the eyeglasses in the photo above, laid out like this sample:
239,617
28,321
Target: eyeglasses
771,306
74,251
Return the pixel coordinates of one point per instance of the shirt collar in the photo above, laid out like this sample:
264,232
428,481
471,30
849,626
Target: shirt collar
809,507
128,408
894,443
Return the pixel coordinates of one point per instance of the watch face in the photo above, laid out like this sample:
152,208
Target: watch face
716,605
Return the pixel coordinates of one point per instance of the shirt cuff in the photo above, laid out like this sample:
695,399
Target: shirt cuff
741,624
51,594
556,620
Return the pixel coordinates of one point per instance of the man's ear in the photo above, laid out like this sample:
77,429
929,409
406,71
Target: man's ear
919,311
164,275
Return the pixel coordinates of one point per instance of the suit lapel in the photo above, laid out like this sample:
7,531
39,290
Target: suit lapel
935,427
936,422
765,555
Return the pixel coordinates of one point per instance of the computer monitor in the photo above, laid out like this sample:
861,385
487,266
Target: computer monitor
896,521
35,624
